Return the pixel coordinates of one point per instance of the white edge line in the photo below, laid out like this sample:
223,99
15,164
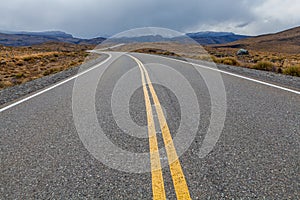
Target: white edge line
55,85
236,75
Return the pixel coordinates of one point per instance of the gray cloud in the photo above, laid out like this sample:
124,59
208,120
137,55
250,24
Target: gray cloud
92,18
242,25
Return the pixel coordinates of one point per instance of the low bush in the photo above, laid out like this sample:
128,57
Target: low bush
263,65
52,59
292,70
204,57
230,61
225,61
51,71
19,75
214,59
4,84
28,58
20,63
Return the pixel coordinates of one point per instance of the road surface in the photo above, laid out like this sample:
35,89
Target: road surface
256,154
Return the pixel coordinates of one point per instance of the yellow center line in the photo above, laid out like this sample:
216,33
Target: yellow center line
179,182
158,188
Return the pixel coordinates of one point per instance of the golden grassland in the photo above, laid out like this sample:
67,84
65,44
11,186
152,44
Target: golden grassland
285,63
21,64
278,52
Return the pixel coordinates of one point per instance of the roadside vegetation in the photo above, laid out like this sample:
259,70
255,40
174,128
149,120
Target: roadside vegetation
292,70
285,63
21,64
226,61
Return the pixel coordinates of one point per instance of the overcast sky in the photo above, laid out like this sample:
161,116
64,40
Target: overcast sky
91,18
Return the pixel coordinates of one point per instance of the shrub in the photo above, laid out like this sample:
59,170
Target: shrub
52,59
292,70
4,84
229,61
214,59
267,66
73,63
11,65
19,75
204,57
28,58
51,71
226,61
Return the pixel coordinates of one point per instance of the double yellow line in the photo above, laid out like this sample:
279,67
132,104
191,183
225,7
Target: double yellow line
179,182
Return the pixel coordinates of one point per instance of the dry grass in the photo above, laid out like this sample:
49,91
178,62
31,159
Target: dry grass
21,64
279,52
226,61
292,70
263,65
268,61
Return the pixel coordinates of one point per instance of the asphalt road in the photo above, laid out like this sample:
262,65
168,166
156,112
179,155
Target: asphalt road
52,149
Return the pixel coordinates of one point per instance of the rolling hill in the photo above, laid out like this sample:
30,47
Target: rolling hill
32,38
203,38
287,41
208,37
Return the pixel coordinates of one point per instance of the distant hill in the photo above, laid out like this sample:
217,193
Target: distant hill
23,38
31,38
209,37
44,33
203,38
139,39
48,33
209,34
287,41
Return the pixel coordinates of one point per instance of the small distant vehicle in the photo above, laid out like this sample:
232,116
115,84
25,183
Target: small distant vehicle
242,52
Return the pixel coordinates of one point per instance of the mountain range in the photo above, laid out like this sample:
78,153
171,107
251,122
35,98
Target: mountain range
8,38
22,38
209,37
287,41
